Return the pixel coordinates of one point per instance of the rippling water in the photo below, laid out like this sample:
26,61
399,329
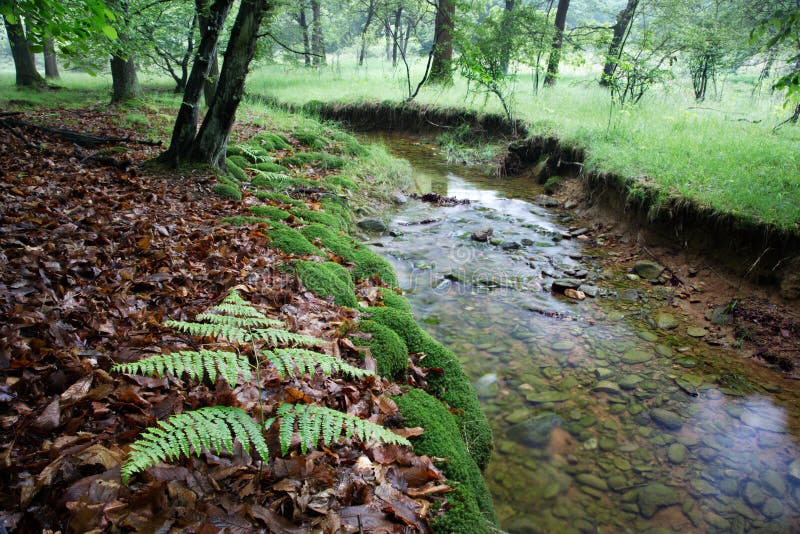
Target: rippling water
603,422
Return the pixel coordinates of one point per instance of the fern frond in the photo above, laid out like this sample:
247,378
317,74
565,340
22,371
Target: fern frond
239,322
275,336
303,362
213,428
195,364
320,425
230,333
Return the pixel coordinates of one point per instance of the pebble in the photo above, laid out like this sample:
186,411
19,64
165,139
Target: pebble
676,453
774,483
667,419
753,494
636,356
773,508
696,331
593,481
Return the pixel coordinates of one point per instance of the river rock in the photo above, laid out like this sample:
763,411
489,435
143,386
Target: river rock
753,494
649,270
666,321
399,198
565,283
575,294
535,432
482,236
774,483
593,481
721,315
590,291
636,356
563,346
546,201
773,508
547,396
373,224
603,372
629,295
676,453
696,331
794,471
666,418
629,382
654,496
606,386
510,245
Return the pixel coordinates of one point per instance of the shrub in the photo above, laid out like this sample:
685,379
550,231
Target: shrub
552,184
228,191
389,351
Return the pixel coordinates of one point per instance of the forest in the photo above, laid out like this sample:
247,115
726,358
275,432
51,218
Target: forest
400,266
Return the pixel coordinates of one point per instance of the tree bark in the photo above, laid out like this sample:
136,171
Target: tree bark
212,19
317,42
505,57
441,65
26,73
558,39
397,35
370,13
50,64
124,82
301,20
624,19
211,141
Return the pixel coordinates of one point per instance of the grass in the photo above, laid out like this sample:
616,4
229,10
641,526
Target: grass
722,155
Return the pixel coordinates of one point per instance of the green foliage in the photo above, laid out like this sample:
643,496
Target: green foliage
327,219
389,351
552,184
336,242
327,279
342,182
280,198
369,263
196,364
242,220
228,191
321,160
235,171
304,362
291,241
247,155
275,181
271,142
347,144
318,424
451,385
470,507
270,212
213,428
393,300
239,161
270,167
311,139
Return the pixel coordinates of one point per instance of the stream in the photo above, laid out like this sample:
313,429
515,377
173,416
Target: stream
603,422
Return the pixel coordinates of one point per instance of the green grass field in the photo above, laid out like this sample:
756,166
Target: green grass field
721,154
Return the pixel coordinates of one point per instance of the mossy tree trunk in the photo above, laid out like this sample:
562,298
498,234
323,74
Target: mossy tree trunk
24,66
558,41
211,140
505,50
441,65
317,41
212,18
50,63
301,20
621,26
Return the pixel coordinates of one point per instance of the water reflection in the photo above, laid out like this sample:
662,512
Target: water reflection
602,422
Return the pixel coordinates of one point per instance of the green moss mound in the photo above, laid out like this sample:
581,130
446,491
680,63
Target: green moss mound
235,171
239,161
291,241
279,198
274,181
470,507
337,205
347,144
552,184
327,279
393,300
228,191
327,219
270,167
311,139
271,142
386,347
369,263
270,212
321,160
452,385
342,182
241,220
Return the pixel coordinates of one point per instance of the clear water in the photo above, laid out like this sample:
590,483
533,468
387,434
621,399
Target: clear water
602,422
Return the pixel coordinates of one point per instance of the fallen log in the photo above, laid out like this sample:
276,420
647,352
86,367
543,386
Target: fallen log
81,139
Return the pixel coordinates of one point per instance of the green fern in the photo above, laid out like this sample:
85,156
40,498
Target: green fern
306,361
213,429
196,364
317,424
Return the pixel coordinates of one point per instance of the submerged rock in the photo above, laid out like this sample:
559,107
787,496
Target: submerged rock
482,236
696,331
636,356
666,321
399,198
535,432
566,283
649,270
593,481
666,418
655,496
677,453
372,224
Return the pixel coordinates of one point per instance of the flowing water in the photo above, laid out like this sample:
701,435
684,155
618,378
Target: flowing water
602,421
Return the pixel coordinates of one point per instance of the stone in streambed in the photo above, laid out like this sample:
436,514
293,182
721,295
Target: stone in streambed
774,483
753,494
676,453
482,236
590,291
593,481
547,396
563,346
666,418
794,471
696,331
666,321
565,283
655,496
606,386
773,508
636,356
629,382
649,270
373,224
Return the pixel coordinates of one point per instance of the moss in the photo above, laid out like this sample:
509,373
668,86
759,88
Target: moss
271,142
389,351
552,184
470,508
451,385
342,182
241,220
228,191
337,205
368,263
317,159
239,161
347,144
329,220
393,300
270,212
235,171
234,150
311,139
272,180
270,167
279,198
291,241
340,244
227,180
327,279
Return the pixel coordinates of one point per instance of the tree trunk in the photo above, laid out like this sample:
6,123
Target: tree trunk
505,51
317,43
387,37
397,35
301,20
124,82
370,13
212,19
50,64
25,68
558,39
212,139
441,65
624,19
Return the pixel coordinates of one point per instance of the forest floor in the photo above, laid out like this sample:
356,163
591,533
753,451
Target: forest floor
96,253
